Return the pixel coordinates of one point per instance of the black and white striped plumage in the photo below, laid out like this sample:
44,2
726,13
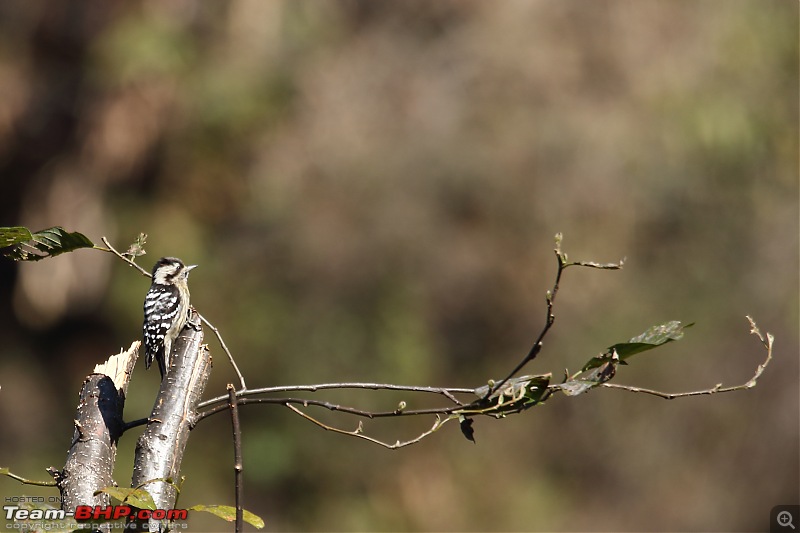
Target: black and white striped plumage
166,307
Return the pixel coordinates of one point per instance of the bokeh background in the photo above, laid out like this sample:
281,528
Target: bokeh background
371,191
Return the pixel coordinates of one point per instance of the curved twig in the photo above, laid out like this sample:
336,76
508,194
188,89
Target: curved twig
359,431
765,340
131,262
224,346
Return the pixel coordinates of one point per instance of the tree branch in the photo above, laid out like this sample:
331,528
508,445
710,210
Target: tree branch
159,450
767,341
447,392
25,481
132,263
238,467
517,395
226,350
98,427
358,432
563,263
499,398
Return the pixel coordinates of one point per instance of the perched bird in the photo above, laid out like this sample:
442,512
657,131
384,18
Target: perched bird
166,309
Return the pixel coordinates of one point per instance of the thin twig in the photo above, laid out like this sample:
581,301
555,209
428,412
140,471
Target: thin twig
333,407
563,263
600,266
238,467
550,319
359,431
227,352
132,263
448,392
26,481
672,395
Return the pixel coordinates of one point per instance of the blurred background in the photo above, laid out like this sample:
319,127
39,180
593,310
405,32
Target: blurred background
371,190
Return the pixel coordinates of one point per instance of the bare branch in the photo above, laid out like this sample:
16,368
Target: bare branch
227,352
132,263
26,481
514,400
447,392
563,263
600,266
238,467
359,431
333,407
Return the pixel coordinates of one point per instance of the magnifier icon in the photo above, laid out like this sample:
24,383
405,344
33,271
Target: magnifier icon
785,519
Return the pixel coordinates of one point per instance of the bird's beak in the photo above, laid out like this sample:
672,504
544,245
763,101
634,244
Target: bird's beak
190,267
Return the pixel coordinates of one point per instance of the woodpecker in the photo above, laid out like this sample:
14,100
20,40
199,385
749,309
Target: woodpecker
166,309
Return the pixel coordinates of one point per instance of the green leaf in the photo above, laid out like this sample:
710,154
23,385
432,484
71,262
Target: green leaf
138,498
652,338
604,366
601,374
516,394
228,513
576,386
14,235
19,244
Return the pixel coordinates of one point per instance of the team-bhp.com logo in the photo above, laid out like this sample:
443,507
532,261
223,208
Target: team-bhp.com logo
95,513
116,512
